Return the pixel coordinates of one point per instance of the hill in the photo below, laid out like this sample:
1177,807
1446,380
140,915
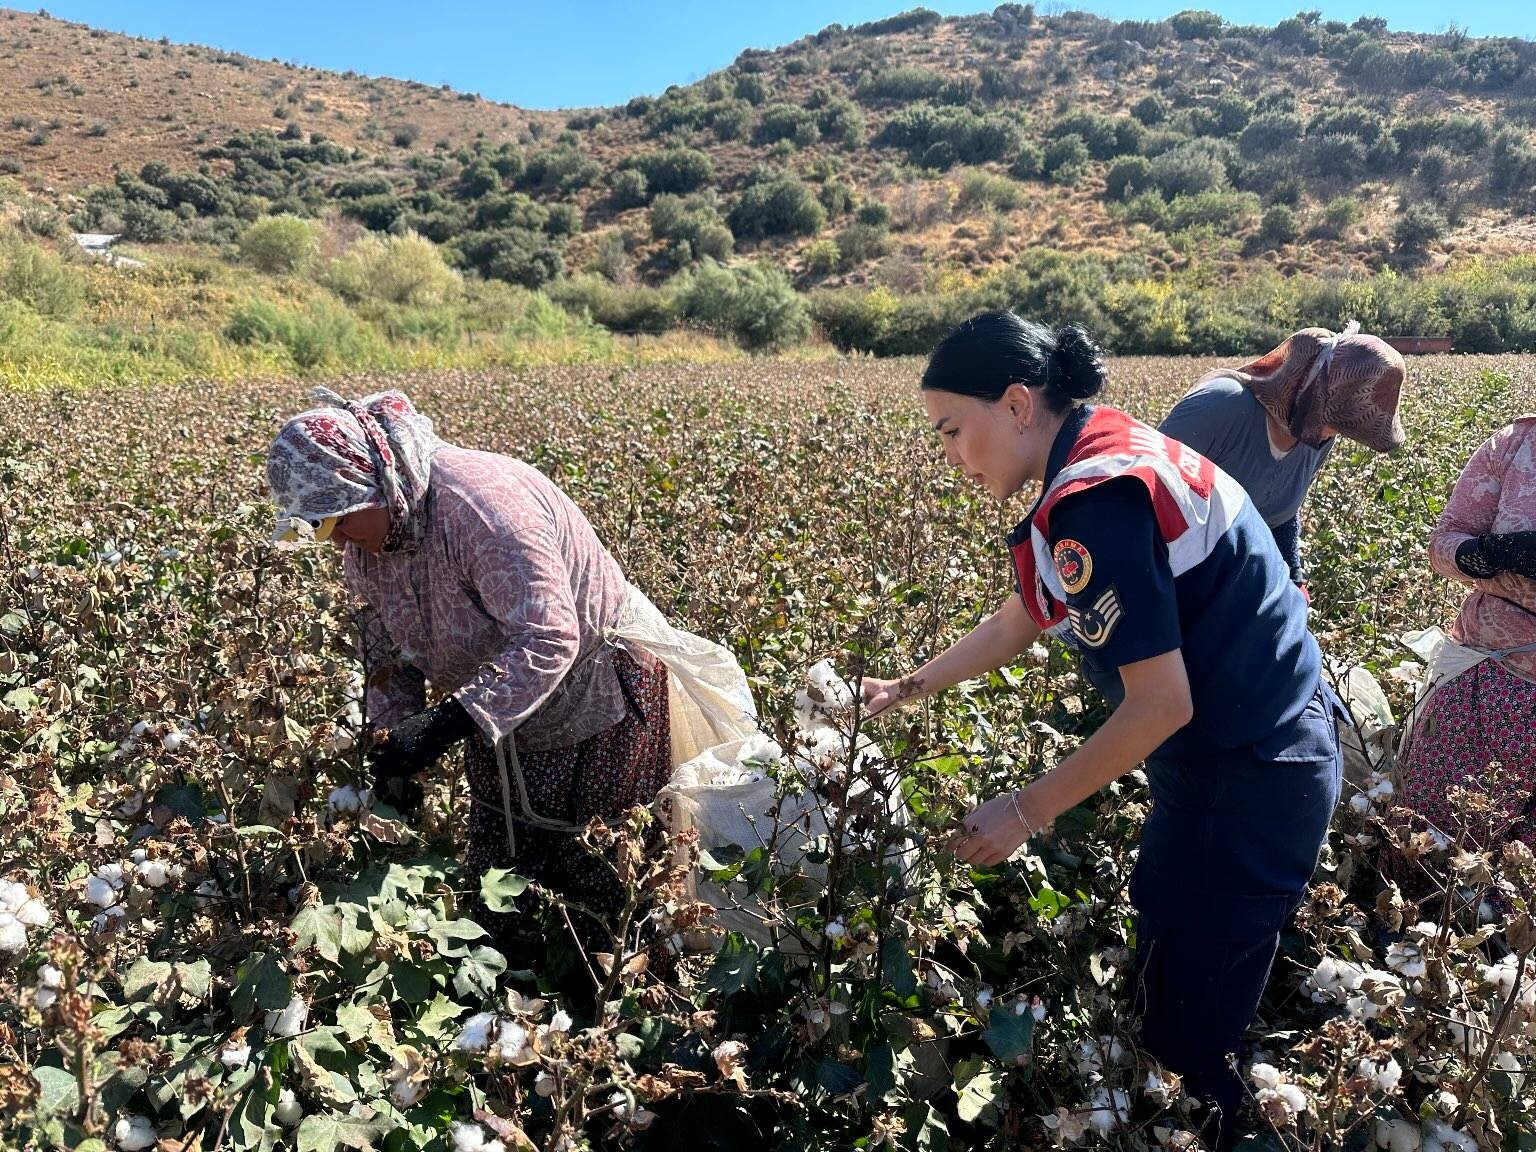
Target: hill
915,157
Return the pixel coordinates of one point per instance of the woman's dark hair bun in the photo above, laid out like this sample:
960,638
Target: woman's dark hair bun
1077,363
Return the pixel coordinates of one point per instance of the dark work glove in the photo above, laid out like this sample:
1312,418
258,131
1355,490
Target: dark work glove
417,742
1484,557
401,793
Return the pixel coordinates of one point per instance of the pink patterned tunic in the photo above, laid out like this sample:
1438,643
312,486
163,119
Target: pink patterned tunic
1487,715
504,603
1496,493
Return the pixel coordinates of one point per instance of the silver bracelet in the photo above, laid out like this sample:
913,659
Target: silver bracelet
1013,800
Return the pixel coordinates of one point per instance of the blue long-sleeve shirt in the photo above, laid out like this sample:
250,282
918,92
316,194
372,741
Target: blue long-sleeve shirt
1223,421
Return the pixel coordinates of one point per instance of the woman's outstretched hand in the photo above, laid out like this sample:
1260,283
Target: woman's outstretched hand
880,695
994,831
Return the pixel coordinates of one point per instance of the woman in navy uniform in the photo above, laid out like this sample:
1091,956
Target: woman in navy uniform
1154,565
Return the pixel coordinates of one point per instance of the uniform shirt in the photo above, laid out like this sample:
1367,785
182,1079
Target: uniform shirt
1236,616
1225,423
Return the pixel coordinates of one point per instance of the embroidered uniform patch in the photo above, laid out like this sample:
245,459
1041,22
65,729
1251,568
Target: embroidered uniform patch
1073,564
1093,625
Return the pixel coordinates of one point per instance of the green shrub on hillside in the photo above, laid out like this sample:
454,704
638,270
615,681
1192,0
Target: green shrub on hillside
676,170
279,245
754,303
1065,160
781,207
35,276
406,270
1190,168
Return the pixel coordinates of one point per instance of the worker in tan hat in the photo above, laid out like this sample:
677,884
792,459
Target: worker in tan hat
1271,423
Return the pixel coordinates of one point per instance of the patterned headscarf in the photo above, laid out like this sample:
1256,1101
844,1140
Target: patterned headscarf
348,455
1352,382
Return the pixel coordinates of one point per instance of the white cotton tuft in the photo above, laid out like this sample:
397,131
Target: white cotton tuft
235,1055
1264,1076
512,1040
288,1112
290,1020
132,1133
476,1035
468,1137
13,934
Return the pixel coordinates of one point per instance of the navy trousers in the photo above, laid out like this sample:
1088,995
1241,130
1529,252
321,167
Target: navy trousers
1226,854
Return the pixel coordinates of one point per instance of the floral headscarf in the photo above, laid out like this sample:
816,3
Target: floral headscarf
1352,382
348,455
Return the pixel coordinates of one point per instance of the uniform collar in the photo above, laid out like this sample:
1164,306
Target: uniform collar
1061,447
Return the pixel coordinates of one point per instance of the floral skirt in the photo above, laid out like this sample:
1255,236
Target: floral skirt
1483,718
603,776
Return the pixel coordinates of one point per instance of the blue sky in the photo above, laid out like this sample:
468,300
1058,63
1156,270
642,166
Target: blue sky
548,54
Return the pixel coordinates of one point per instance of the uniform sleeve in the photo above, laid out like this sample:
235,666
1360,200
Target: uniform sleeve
513,564
1114,567
1288,540
1206,417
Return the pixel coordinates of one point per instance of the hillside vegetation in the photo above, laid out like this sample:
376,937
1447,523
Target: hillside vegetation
1180,186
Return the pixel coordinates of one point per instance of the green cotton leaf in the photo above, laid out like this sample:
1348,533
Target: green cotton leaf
410,983
355,1021
926,1130
60,1092
195,979
1010,1035
262,983
478,973
836,1077
452,937
500,888
319,927
328,1133
251,1121
145,976
436,1018
896,967
1049,903
356,933
880,1072
735,967
978,1086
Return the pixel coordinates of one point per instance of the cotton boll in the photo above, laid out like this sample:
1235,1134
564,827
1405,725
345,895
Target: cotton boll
44,998
405,1092
1385,1076
1406,960
50,977
1264,1076
759,748
560,1021
235,1055
1109,1110
476,1035
344,800
984,997
835,930
512,1041
544,1085
132,1133
468,1137
13,934
155,873
288,1112
173,740
107,921
1361,803
340,740
101,890
290,1020
1395,1135
1440,1137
